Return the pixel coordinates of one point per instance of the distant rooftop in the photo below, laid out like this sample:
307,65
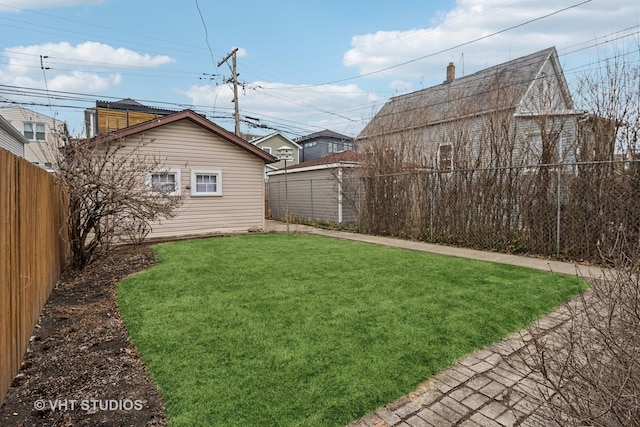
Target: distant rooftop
129,104
324,134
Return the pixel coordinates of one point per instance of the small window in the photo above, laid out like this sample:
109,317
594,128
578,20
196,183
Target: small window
34,131
445,157
39,131
167,182
333,147
206,183
267,149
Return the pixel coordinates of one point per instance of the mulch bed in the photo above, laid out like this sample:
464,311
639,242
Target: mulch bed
80,356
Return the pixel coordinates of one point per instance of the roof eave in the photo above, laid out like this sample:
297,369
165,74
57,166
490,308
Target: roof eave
194,118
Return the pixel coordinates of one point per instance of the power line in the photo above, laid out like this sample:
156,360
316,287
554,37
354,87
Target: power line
206,32
335,112
453,47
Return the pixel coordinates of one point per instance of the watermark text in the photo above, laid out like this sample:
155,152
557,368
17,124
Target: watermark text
92,405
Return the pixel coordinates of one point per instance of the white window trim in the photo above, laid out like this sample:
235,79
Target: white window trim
34,131
267,149
218,173
175,171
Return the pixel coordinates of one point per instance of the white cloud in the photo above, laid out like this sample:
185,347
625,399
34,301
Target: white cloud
302,108
88,67
88,54
75,81
78,81
473,19
18,5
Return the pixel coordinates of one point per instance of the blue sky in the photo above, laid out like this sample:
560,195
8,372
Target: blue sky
304,66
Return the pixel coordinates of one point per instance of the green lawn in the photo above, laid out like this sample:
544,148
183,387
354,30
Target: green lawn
299,330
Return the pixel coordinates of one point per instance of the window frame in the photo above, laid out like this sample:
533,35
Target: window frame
34,131
267,149
210,172
449,160
174,171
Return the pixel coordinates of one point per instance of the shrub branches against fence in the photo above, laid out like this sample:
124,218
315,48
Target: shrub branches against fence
578,211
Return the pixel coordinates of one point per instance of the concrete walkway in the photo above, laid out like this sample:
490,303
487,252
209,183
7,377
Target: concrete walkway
490,387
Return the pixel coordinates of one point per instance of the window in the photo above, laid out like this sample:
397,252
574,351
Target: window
333,147
445,157
206,183
267,149
167,182
34,131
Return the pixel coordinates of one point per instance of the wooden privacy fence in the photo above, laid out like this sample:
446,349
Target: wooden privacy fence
33,252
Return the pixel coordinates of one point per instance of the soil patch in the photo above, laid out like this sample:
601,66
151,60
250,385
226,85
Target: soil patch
81,369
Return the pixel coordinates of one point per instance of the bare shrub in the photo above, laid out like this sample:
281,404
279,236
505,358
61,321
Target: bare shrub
590,366
109,198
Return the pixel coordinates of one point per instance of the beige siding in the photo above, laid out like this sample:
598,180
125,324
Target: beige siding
187,147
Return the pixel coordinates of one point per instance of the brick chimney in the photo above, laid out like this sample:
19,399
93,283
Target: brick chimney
451,72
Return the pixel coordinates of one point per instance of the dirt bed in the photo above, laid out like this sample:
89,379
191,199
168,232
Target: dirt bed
81,368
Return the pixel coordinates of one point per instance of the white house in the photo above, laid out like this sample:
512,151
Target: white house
43,134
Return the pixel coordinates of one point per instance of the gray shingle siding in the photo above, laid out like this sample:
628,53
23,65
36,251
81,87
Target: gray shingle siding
508,106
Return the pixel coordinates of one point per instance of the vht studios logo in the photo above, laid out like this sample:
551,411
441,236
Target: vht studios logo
88,405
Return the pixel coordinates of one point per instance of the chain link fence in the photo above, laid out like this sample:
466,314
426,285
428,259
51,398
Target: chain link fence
580,211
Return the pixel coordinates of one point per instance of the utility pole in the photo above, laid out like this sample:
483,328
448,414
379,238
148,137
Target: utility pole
234,80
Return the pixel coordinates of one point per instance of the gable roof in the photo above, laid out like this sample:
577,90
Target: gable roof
267,137
499,87
27,114
194,118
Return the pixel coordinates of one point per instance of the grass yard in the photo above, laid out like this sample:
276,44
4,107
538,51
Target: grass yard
300,330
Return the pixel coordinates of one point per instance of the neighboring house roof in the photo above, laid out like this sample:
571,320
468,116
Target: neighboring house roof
129,104
501,86
267,137
323,134
27,115
344,157
192,117
8,127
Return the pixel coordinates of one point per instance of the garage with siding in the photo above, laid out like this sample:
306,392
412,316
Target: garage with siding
314,190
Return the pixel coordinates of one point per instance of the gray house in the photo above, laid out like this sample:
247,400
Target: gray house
323,143
314,190
11,139
517,113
